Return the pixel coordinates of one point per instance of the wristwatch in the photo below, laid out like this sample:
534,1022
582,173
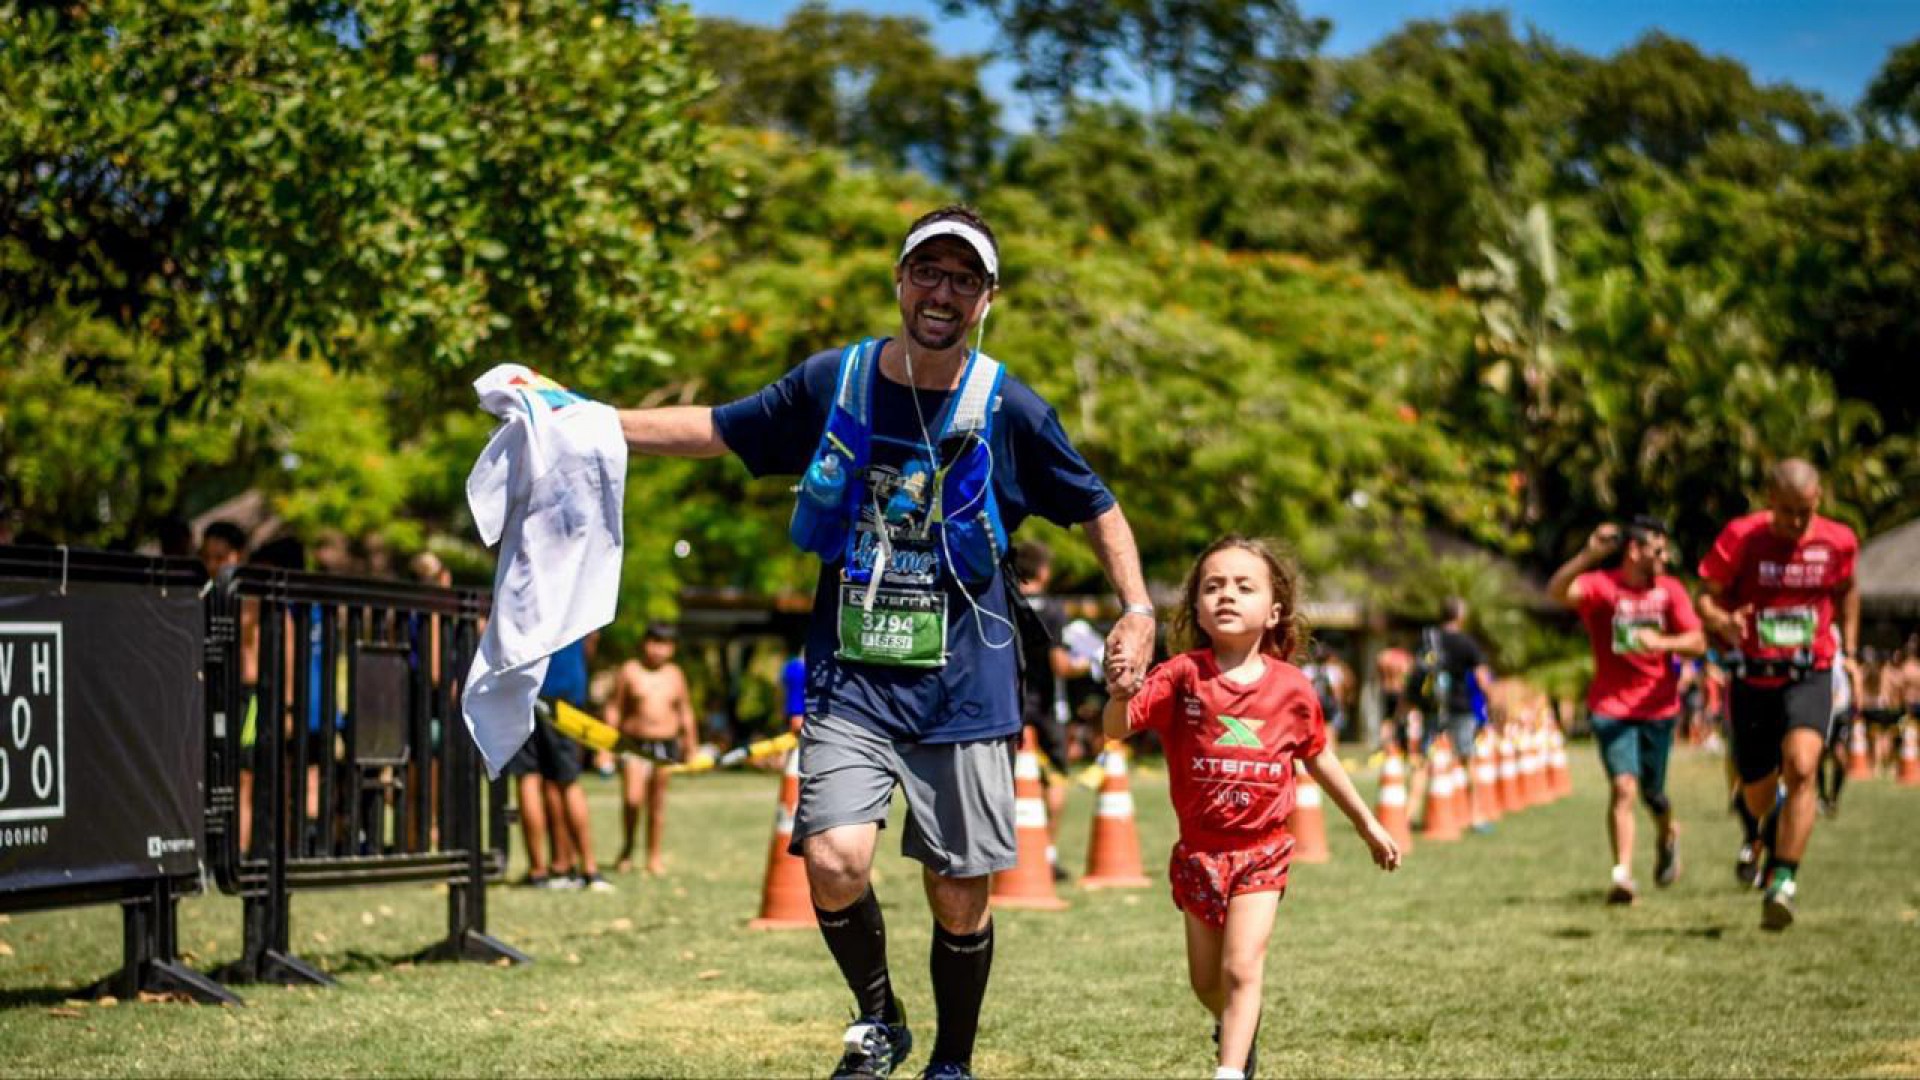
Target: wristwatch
1139,609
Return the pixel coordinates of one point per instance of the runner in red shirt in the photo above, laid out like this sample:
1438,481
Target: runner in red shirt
1773,583
1235,717
1637,620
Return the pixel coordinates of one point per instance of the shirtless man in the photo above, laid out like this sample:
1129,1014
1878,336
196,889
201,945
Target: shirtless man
1884,697
650,703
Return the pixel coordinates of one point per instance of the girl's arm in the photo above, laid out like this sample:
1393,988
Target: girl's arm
1326,771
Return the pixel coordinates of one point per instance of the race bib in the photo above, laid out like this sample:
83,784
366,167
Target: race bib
904,628
1626,628
1786,628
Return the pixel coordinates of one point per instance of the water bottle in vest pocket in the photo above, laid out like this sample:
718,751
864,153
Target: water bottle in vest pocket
820,519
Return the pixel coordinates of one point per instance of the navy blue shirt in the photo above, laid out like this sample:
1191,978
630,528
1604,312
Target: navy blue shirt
1036,470
567,675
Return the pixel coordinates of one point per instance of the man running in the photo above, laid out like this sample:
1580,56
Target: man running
1637,620
918,457
1773,582
650,703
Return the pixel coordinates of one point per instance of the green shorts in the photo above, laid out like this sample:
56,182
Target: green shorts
1637,748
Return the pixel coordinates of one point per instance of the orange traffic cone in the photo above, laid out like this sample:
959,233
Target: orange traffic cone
1910,754
1030,883
1512,798
1113,855
785,903
1559,776
1462,808
1859,757
1533,768
1485,802
1440,822
1307,823
1392,807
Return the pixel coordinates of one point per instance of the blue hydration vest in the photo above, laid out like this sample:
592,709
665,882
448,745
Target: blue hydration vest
965,521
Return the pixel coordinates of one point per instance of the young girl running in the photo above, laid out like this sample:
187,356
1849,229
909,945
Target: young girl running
1234,716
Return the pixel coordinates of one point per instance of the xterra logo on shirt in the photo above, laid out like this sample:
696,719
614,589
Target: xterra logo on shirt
1809,571
1241,731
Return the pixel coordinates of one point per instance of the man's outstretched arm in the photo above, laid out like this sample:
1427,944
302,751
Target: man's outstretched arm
675,431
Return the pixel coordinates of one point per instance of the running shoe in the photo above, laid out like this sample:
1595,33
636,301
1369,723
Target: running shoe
946,1070
559,882
1746,865
1776,908
1621,892
1666,860
597,882
874,1048
1253,1049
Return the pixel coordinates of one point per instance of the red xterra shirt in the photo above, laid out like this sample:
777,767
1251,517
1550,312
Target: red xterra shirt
1230,748
1790,583
1629,684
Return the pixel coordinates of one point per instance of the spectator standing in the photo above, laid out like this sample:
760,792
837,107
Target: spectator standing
1449,660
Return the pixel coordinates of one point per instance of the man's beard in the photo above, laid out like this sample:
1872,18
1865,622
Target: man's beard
936,344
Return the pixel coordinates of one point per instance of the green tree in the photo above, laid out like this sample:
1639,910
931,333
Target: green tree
873,85
1893,97
1196,56
399,184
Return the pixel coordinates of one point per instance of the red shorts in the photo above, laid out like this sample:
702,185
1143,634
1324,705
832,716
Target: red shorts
1203,881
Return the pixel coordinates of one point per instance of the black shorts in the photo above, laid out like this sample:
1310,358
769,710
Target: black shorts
1762,715
1052,737
1881,718
547,753
661,751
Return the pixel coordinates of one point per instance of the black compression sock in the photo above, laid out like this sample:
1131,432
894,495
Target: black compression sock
857,938
960,965
1749,825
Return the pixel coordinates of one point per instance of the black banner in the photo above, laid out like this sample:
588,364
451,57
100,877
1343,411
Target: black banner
102,735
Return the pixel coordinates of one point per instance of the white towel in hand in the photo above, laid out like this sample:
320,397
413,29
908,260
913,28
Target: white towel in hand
548,489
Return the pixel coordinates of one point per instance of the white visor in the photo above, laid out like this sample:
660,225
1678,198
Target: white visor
975,239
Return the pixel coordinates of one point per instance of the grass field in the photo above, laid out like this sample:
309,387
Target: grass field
1489,957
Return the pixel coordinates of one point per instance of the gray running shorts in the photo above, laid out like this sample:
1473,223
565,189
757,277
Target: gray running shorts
960,813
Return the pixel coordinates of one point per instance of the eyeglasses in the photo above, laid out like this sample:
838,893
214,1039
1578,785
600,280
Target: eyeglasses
928,276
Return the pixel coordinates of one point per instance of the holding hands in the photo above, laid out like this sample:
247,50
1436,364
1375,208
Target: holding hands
1129,653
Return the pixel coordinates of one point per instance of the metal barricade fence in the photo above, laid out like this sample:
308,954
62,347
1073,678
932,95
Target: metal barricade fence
99,668
337,756
271,730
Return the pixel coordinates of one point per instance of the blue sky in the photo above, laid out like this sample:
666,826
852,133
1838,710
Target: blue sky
1831,47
